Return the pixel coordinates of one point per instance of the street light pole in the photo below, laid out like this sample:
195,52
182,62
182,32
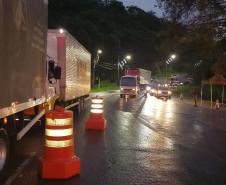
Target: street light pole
128,57
118,69
96,60
122,63
168,61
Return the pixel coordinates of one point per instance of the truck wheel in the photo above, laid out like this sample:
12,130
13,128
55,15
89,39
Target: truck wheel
4,150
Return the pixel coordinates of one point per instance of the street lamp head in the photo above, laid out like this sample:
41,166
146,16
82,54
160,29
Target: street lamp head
99,51
128,57
61,30
173,56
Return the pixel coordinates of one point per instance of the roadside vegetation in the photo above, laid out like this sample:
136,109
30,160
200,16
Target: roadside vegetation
185,90
105,86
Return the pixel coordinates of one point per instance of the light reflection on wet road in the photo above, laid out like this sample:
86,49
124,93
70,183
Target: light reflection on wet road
150,141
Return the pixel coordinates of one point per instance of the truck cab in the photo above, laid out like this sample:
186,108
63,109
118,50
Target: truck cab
129,85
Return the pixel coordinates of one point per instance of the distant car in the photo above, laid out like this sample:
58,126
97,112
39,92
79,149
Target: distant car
175,84
144,87
152,91
163,92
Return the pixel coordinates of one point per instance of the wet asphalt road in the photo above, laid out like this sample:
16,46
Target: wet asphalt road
146,141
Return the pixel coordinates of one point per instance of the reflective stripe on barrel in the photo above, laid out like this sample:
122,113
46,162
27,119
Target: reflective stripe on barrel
97,105
59,130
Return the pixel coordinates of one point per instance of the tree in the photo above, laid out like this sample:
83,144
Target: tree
116,29
205,22
209,12
220,65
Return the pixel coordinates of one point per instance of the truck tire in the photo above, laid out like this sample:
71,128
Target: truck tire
4,150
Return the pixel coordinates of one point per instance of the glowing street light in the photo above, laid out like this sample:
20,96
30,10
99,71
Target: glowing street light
128,57
99,51
169,60
96,60
173,56
61,30
123,63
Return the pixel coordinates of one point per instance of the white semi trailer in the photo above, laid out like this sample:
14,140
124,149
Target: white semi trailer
37,68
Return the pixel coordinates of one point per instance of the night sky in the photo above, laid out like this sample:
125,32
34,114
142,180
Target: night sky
146,5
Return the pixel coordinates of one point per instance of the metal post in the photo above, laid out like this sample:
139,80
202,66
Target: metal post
99,82
201,94
211,93
94,67
125,69
166,70
223,95
118,69
93,73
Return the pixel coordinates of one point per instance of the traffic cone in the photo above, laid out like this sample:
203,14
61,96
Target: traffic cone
181,98
59,161
217,105
96,119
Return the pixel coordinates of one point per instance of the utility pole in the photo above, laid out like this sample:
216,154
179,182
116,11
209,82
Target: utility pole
96,60
118,70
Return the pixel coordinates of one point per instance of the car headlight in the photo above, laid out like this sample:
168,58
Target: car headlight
133,89
159,92
121,89
148,88
169,92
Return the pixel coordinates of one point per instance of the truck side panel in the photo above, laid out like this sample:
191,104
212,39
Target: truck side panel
78,65
23,28
145,76
75,62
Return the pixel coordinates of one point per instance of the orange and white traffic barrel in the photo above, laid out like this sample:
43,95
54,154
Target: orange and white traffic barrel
181,98
96,119
59,161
